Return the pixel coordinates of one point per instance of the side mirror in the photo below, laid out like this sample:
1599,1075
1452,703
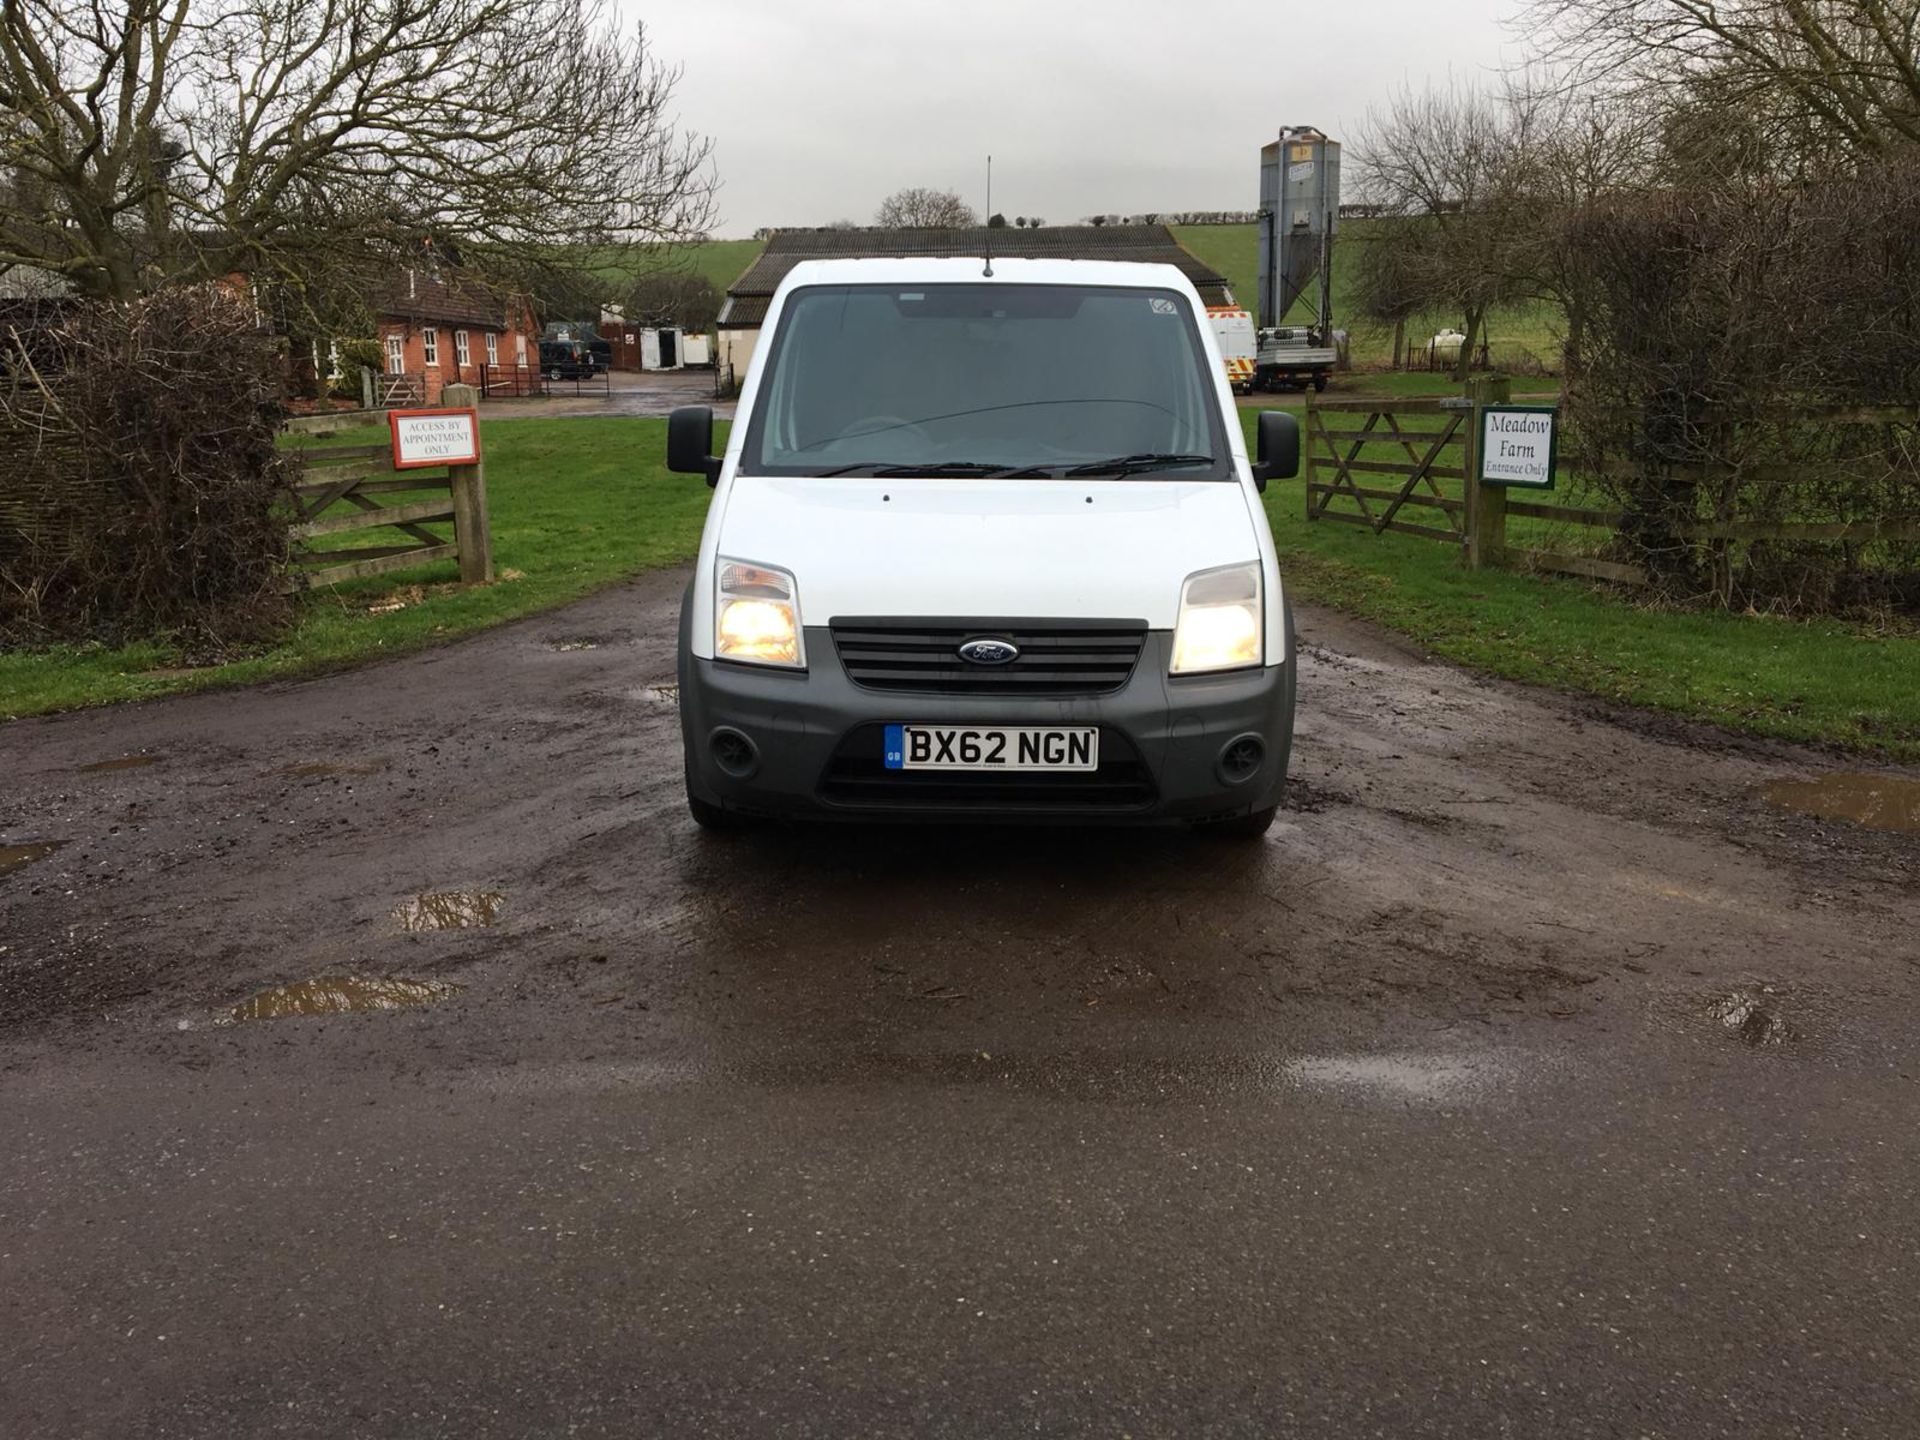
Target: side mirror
1276,447
690,443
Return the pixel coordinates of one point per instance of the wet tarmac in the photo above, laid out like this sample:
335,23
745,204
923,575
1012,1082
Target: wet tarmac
1535,1076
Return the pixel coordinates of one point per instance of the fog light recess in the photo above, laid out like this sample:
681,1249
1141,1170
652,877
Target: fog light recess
733,752
1241,758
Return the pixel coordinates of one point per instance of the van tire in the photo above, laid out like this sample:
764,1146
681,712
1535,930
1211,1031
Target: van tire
1241,827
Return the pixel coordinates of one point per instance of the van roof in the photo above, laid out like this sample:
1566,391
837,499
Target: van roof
929,270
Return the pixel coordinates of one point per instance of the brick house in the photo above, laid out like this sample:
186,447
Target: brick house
438,327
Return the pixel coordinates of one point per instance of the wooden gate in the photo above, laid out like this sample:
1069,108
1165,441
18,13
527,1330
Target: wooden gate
1384,455
336,492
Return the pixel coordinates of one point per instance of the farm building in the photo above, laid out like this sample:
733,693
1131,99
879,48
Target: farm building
748,297
636,346
438,327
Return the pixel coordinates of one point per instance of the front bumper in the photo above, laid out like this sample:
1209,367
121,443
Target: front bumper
814,742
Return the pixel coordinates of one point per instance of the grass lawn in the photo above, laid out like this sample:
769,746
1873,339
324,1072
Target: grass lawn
580,503
1821,681
575,505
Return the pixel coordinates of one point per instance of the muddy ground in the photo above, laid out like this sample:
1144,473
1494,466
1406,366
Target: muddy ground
1535,1075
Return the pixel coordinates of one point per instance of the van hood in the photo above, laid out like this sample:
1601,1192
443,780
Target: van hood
1032,549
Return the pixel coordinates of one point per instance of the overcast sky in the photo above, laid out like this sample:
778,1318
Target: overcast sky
820,108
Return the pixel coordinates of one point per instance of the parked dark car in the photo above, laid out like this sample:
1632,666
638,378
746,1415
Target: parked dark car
565,360
601,353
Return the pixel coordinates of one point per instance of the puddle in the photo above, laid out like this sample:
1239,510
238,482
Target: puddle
315,768
577,643
18,857
662,695
339,995
450,910
1431,1078
125,762
1879,802
1750,1019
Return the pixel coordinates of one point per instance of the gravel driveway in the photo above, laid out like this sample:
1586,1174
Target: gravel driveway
1533,1077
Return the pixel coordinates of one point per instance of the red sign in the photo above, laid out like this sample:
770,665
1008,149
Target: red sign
434,437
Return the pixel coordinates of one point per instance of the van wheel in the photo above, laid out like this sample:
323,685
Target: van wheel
1241,827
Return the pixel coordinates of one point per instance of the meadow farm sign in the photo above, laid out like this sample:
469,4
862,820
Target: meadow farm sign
1518,445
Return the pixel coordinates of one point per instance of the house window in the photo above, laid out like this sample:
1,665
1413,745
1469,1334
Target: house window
520,350
396,355
430,345
462,355
493,348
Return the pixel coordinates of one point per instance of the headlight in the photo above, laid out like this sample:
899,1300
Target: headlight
1220,620
756,615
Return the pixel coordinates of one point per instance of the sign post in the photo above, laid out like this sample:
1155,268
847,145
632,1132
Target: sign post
450,436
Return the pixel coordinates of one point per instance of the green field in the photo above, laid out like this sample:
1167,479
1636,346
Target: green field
723,261
575,504
1234,250
580,503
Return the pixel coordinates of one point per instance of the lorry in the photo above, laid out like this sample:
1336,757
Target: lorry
986,545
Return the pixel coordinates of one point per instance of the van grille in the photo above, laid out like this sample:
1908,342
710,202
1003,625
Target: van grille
1057,657
857,775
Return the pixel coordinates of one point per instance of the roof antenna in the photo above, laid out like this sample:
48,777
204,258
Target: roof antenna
988,245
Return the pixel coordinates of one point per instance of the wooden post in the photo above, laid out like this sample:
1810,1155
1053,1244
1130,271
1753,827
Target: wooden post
1486,504
471,530
366,388
1306,450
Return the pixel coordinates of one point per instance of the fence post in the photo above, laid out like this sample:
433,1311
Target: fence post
1306,446
471,530
1486,504
366,388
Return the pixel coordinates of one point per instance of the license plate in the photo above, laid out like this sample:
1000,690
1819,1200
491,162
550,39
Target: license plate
993,747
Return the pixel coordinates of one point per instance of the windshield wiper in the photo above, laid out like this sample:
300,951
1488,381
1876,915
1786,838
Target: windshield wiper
934,469
1136,464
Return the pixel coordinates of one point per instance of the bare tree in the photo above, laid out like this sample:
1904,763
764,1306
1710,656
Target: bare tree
149,142
1441,162
1844,73
1567,149
919,208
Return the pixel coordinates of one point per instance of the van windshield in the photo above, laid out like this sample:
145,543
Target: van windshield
987,380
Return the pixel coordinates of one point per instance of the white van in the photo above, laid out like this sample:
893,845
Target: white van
986,544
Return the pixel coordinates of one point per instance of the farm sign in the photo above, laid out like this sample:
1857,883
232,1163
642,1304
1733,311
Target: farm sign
1517,445
434,437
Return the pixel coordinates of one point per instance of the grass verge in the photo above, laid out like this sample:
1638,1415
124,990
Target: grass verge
580,503
1818,681
576,504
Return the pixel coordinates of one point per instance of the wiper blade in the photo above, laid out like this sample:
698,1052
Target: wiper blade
1137,464
933,469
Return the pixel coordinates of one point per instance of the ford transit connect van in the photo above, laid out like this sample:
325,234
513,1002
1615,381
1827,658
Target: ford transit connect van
986,544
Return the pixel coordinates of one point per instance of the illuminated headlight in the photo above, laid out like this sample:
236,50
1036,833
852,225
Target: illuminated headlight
756,615
1220,620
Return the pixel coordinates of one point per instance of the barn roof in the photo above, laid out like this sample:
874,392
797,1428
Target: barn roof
747,297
